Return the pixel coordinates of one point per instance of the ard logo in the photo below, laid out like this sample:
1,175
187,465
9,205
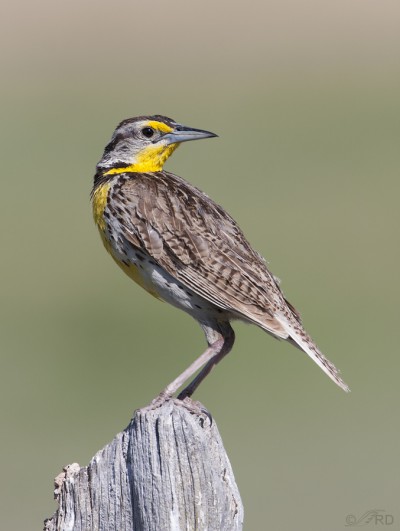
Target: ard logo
373,517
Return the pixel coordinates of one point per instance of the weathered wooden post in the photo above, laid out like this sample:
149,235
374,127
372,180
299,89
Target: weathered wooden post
167,470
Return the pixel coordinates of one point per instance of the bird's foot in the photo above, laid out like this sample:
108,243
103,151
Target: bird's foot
193,406
157,402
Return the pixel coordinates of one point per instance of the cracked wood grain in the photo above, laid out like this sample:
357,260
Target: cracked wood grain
168,470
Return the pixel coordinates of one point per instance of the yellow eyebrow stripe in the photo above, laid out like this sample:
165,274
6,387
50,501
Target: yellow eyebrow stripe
160,126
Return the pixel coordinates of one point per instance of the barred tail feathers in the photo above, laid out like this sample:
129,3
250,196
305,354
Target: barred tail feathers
299,338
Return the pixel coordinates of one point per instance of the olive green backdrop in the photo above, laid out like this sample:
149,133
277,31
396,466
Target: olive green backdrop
305,98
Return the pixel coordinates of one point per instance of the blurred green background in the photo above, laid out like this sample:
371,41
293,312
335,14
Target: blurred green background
305,98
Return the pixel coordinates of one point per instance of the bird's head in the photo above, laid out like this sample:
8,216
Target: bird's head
144,143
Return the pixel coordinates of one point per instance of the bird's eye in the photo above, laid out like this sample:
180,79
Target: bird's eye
148,132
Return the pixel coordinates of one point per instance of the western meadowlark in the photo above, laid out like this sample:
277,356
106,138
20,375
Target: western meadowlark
183,248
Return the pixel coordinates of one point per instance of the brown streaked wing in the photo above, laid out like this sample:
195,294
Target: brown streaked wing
200,245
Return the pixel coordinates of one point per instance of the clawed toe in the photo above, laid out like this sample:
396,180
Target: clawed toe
194,407
157,402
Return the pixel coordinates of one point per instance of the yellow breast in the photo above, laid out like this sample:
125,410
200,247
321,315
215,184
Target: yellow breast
99,204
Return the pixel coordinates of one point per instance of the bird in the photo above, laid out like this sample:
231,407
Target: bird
185,249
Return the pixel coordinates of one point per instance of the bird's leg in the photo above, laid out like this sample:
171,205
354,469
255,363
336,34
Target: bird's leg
208,355
220,338
228,338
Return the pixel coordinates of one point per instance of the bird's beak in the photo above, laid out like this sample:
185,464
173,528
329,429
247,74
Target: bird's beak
182,133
